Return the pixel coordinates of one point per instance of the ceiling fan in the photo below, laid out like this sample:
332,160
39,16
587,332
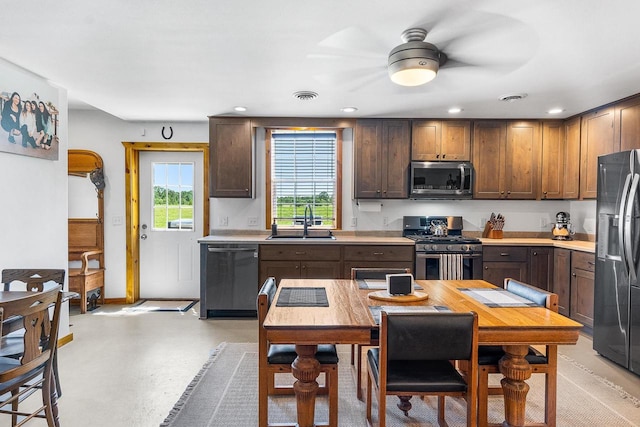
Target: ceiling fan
415,62
476,44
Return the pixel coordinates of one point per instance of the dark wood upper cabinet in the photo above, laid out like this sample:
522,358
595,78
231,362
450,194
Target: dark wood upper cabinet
627,124
441,140
230,157
571,157
552,168
381,159
489,139
596,139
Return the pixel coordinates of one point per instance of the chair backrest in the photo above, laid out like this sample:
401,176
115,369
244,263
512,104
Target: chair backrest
429,336
265,298
539,296
41,335
34,279
375,273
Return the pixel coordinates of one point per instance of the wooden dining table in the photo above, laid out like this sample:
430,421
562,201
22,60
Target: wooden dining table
347,319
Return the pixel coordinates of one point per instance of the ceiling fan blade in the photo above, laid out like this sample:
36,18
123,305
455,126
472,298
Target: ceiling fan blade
353,79
355,40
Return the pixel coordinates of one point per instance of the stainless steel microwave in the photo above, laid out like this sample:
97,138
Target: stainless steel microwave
441,180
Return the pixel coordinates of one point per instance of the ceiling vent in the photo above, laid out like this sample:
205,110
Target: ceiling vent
512,98
305,95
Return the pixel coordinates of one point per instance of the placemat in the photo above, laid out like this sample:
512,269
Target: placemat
378,284
303,297
376,309
497,297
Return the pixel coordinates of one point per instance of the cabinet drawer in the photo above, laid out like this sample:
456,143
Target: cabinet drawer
300,252
379,253
505,253
583,260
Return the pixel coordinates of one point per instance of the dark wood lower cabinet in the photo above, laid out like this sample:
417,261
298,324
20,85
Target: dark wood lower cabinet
562,279
582,287
541,267
500,262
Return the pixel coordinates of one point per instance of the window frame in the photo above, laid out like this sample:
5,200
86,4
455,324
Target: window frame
268,168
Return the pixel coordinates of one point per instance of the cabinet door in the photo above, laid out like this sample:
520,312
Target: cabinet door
280,270
321,270
596,139
582,284
562,279
230,157
367,159
425,140
488,159
522,160
456,140
541,267
396,153
571,157
552,168
627,124
496,272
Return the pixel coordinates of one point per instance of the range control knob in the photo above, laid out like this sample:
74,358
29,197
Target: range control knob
434,247
466,247
449,247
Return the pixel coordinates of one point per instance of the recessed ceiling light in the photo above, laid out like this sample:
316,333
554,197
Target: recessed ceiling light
455,110
240,108
555,111
348,109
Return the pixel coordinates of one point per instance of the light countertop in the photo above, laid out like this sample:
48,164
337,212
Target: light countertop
576,245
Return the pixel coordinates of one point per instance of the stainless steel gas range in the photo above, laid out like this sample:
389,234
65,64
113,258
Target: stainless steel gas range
448,255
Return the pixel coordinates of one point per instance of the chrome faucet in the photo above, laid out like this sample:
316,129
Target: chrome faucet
307,223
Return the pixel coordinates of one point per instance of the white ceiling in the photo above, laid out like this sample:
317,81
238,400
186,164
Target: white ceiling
185,60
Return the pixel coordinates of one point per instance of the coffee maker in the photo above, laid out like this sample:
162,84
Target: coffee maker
562,229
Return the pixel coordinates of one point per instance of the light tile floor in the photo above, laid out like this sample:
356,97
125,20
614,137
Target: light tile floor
128,369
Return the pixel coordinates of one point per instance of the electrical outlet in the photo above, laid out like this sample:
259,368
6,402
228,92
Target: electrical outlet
252,221
543,223
223,221
483,221
354,221
385,221
116,220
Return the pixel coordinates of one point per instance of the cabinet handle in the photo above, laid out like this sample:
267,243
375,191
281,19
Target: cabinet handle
535,254
246,189
504,254
297,267
444,155
378,253
377,191
486,268
437,156
300,253
591,262
304,266
573,274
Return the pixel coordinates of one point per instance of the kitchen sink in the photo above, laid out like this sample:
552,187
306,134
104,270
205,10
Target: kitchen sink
324,235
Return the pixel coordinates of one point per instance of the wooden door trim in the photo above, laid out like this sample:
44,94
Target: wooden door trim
132,202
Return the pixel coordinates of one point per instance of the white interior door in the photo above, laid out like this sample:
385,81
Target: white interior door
170,223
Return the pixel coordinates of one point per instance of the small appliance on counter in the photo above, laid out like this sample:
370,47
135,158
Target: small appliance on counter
562,229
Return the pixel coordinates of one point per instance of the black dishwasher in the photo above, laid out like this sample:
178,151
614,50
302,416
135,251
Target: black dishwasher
228,280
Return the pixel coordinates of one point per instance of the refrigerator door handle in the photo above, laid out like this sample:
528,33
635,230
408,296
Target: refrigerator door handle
621,224
628,219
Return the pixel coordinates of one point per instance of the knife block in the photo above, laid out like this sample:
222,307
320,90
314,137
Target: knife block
490,233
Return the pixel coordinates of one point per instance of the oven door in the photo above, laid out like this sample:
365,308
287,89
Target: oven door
428,266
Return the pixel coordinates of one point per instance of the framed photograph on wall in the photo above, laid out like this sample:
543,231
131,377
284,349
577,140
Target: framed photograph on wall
30,115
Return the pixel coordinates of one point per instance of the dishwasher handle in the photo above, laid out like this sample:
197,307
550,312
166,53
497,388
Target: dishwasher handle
226,250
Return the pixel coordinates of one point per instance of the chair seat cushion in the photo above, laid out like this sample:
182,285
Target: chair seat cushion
281,354
8,363
491,355
418,375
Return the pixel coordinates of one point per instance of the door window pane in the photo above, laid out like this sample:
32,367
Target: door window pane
173,196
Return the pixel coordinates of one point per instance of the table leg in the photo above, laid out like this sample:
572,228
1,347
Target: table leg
306,369
515,369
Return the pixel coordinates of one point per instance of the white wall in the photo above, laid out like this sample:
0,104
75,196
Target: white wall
103,133
33,216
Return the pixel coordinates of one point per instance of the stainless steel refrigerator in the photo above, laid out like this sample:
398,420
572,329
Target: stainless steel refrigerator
616,322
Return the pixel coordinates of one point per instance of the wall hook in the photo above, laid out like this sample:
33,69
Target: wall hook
170,133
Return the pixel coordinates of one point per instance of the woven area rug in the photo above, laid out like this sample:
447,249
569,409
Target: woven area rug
225,393
162,305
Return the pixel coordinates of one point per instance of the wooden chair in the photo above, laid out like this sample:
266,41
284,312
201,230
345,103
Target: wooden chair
11,344
277,358
416,358
363,273
489,357
33,371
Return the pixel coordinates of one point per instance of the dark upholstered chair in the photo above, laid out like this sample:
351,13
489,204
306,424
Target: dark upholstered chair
33,371
363,273
277,358
30,279
416,358
489,357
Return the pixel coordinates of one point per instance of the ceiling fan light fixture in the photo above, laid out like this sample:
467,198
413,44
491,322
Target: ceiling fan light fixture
415,62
